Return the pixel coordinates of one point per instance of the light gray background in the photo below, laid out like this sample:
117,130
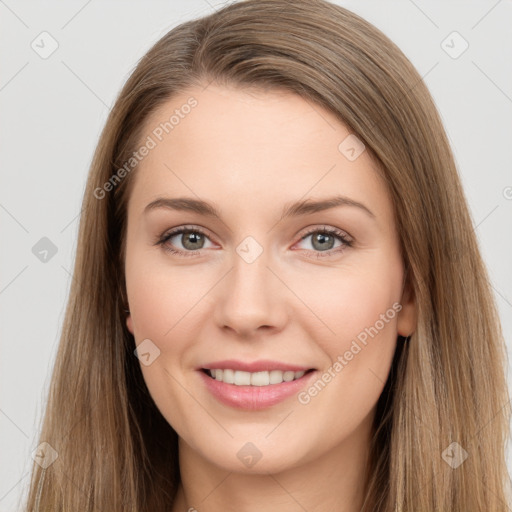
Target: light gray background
52,112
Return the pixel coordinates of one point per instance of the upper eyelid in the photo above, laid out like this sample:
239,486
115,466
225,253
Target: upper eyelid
330,229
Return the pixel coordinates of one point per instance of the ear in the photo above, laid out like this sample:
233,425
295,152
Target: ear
408,315
129,323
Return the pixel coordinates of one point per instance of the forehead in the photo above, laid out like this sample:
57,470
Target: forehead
250,147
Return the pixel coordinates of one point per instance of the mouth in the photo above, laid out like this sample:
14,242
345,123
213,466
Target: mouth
253,391
256,379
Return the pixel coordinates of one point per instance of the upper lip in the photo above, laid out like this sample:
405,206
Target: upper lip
254,366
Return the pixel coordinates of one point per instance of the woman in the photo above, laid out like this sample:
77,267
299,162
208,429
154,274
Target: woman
218,353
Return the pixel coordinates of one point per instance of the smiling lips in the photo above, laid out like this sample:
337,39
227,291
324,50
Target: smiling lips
255,385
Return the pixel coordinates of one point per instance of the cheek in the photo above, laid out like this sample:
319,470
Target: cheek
358,359
162,298
345,307
355,325
162,303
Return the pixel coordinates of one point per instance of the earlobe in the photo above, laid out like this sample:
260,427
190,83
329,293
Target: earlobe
408,315
129,323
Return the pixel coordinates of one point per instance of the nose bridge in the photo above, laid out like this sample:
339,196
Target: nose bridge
250,295
249,280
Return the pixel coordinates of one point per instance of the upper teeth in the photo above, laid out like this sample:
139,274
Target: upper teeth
240,378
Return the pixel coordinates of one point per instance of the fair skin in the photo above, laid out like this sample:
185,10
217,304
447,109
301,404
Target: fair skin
250,154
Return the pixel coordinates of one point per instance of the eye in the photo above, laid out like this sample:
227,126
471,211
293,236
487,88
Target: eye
191,239
323,240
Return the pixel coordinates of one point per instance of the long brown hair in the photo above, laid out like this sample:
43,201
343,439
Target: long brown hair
447,384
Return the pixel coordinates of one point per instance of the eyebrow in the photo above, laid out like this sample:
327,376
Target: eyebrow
294,209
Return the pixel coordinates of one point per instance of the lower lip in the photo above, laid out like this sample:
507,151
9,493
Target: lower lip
254,397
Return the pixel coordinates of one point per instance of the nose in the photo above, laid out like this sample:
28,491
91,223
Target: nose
251,299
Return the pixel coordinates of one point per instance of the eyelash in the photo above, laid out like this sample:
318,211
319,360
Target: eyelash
346,242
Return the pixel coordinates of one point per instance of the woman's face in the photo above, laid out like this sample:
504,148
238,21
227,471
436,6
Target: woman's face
265,286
